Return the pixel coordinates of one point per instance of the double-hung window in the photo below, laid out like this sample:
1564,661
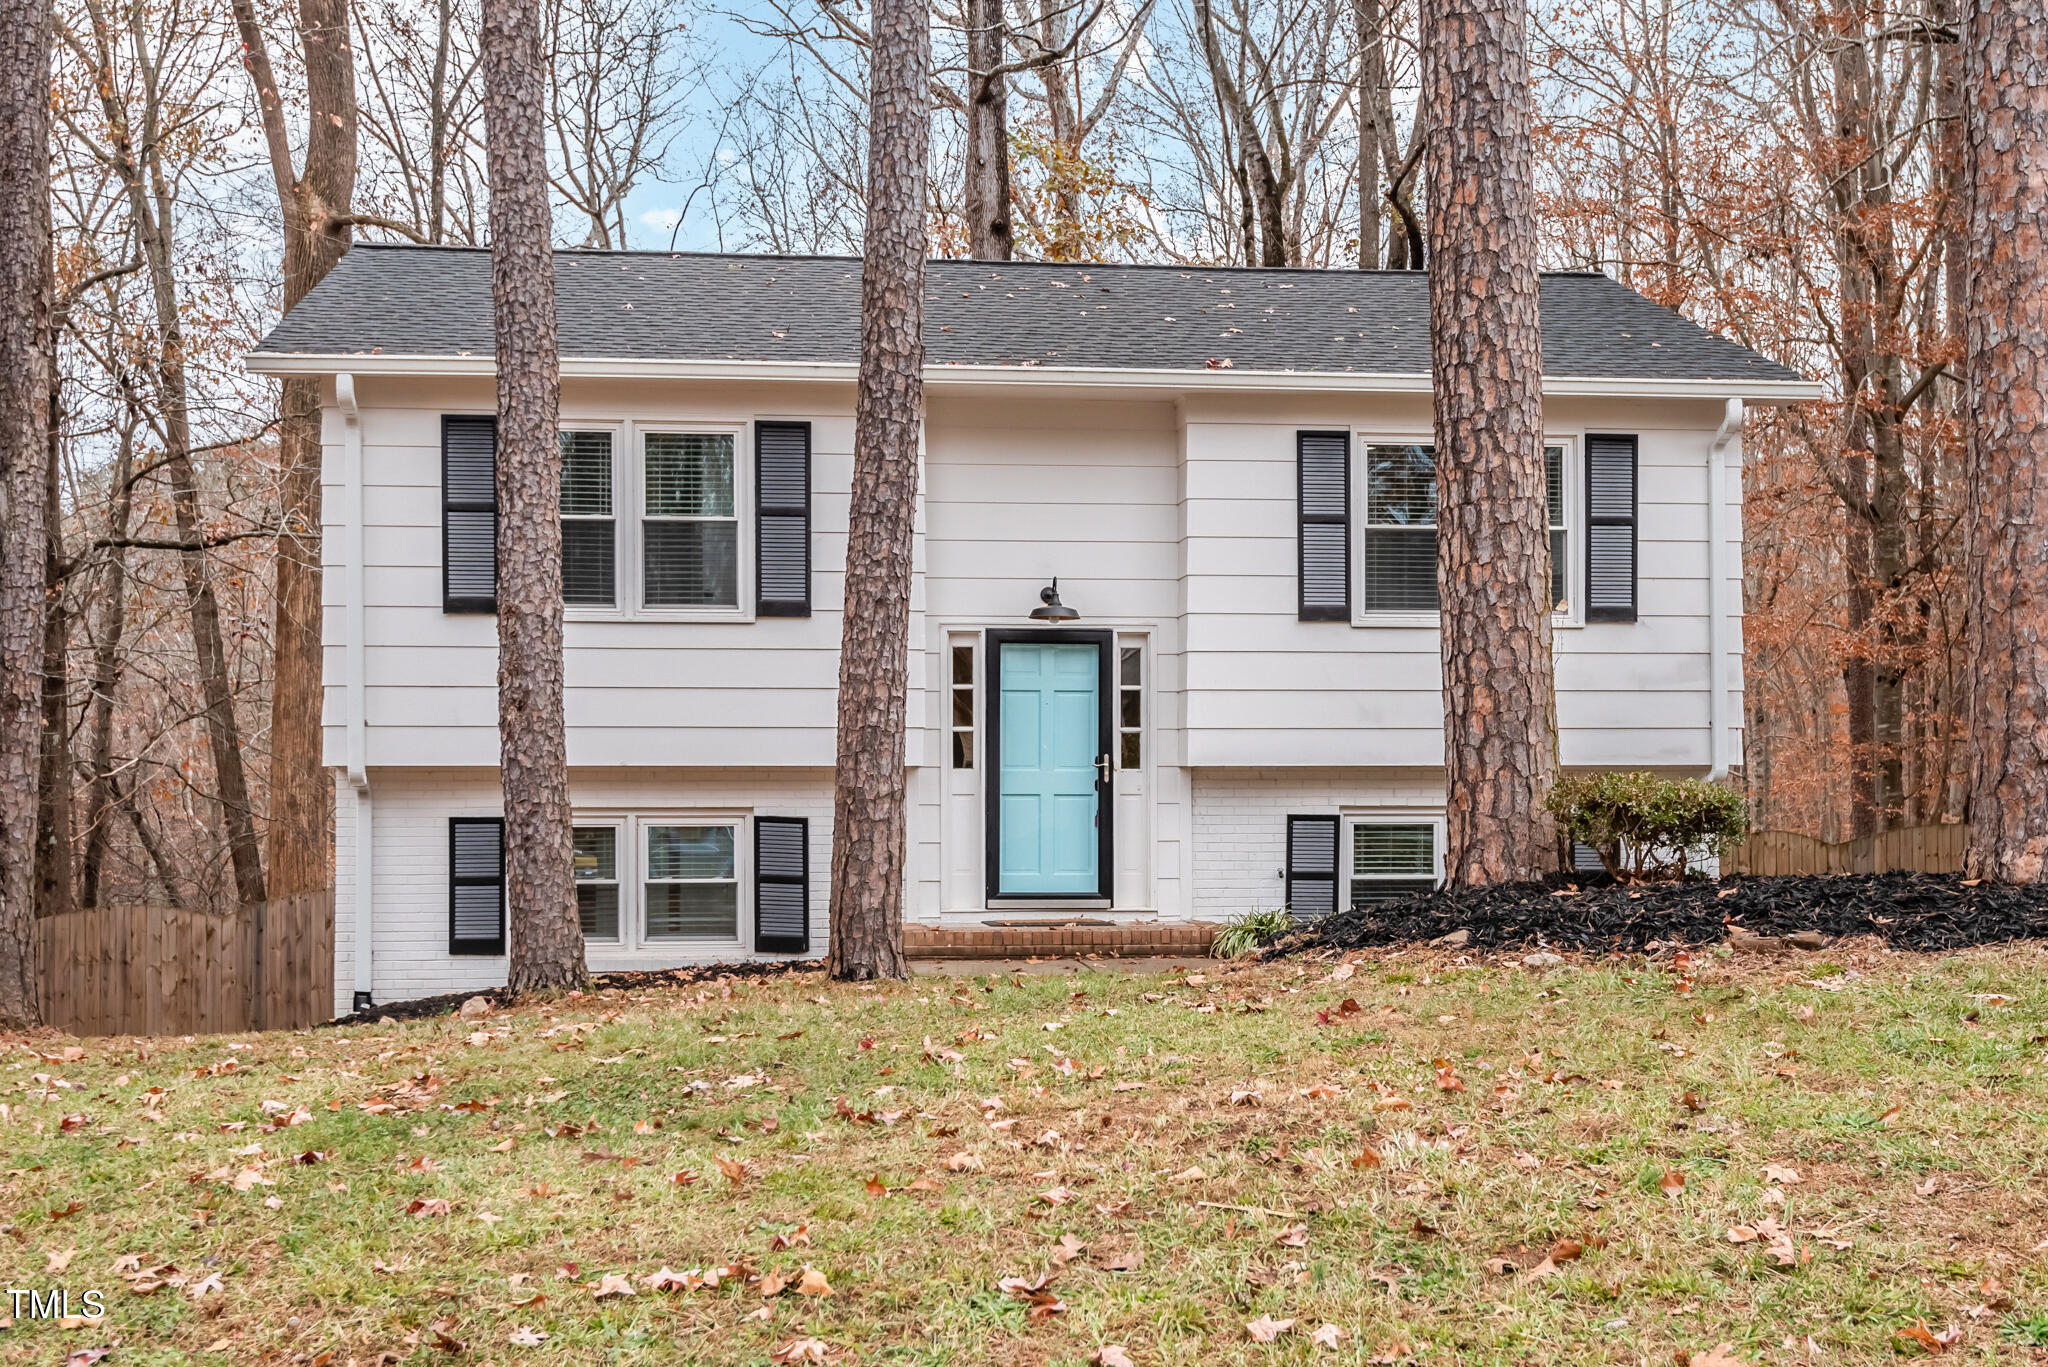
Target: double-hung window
1399,551
589,522
1392,857
692,888
689,521
596,864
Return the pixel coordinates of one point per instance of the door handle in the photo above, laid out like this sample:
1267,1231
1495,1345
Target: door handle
1102,764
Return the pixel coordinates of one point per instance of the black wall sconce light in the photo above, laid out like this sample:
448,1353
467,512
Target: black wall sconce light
1050,608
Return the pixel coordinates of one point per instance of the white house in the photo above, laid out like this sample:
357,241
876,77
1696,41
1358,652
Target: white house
1228,471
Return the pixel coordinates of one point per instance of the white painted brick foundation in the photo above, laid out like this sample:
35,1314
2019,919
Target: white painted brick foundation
411,808
1240,824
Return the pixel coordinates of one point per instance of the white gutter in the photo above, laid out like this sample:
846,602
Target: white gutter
1082,377
355,658
1717,590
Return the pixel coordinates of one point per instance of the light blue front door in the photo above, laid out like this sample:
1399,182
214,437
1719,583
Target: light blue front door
1051,722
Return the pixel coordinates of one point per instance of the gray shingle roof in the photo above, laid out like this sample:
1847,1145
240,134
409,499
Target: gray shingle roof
401,300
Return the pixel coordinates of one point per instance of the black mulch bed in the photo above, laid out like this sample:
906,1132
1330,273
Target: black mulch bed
635,980
1920,911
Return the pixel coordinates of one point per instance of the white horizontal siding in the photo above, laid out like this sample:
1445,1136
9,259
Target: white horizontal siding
1371,694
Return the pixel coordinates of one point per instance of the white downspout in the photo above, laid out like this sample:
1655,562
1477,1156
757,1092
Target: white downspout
354,659
1717,590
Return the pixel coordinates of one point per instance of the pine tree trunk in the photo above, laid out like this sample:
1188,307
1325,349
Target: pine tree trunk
26,345
2005,102
987,198
296,841
1493,544
546,938
867,807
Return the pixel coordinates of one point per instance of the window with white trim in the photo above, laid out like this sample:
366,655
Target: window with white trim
596,869
963,706
1394,856
1398,554
1130,706
691,890
589,522
689,520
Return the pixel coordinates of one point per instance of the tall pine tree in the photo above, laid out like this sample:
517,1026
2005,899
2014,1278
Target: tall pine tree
1486,364
2005,418
867,807
545,937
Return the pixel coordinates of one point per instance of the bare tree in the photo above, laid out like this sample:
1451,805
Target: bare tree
133,153
614,105
868,790
419,112
1493,546
546,948
2005,105
315,209
986,199
25,366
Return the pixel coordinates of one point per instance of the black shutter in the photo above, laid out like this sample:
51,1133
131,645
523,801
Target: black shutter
476,885
1322,485
1311,865
782,544
782,866
469,513
1610,529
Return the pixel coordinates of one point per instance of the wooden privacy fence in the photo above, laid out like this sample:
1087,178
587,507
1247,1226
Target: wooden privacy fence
1910,849
168,971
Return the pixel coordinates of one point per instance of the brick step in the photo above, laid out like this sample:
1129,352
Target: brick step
1137,939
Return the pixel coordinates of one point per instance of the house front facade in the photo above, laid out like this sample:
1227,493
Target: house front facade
1228,472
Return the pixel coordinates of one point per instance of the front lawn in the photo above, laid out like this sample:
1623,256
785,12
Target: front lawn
1449,1160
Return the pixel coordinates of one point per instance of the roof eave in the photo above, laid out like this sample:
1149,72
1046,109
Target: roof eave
1086,377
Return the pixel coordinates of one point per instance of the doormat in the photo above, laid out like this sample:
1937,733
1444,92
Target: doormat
1050,925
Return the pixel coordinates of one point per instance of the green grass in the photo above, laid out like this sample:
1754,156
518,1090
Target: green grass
1919,1135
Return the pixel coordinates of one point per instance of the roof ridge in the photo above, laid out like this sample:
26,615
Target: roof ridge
1179,267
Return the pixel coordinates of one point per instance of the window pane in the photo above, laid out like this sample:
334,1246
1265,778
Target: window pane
693,911
689,474
1128,708
691,564
1130,664
1400,570
1132,756
963,749
586,474
588,566
597,849
1388,890
963,707
689,852
1557,602
1400,486
1393,850
963,664
1553,483
597,907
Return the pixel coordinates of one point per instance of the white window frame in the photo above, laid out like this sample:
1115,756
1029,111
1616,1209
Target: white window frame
1574,527
622,849
620,433
629,499
742,878
1352,818
743,516
633,949
971,643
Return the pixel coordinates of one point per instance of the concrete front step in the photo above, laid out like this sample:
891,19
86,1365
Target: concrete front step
1084,936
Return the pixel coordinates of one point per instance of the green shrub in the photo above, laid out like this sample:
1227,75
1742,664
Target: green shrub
1243,934
1645,827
